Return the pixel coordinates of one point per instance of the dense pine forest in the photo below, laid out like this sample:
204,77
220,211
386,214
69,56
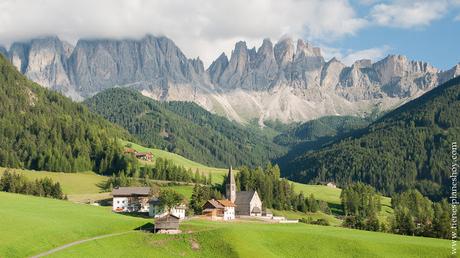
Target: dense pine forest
408,147
184,128
43,130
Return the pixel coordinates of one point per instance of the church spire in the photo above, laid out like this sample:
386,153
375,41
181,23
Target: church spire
230,187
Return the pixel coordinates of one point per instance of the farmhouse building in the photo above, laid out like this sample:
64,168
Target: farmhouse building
247,203
219,209
131,199
147,156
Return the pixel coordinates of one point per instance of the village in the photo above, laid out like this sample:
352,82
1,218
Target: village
237,205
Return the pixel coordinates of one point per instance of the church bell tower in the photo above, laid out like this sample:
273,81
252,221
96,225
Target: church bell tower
230,187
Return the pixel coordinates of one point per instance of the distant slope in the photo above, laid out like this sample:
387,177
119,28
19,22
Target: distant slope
408,147
184,128
217,173
85,187
43,130
314,134
31,225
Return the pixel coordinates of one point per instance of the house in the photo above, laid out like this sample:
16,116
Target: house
131,199
247,203
168,224
155,209
229,209
147,156
219,209
213,209
331,185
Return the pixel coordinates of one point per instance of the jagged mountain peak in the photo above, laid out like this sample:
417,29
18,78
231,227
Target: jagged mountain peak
288,80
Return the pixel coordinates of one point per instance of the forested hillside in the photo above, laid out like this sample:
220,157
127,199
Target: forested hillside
408,147
314,134
43,130
184,128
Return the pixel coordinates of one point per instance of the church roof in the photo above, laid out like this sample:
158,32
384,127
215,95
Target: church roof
244,197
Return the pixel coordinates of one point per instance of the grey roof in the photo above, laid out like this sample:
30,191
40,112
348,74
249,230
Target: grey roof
256,210
127,191
230,176
244,197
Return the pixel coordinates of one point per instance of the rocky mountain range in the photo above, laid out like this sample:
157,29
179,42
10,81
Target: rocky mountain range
288,81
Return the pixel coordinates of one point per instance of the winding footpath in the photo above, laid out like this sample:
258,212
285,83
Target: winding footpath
57,249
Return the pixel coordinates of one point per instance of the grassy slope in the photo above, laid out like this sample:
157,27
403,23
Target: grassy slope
218,173
82,187
332,196
30,225
333,221
261,240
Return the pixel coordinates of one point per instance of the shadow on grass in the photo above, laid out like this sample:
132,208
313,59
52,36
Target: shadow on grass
336,209
146,227
144,215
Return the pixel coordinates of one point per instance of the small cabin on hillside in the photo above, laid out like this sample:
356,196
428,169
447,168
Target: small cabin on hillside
131,199
147,156
168,224
331,185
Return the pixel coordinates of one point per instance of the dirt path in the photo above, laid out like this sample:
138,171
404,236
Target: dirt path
62,247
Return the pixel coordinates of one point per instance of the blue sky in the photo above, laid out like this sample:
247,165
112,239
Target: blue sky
437,42
427,30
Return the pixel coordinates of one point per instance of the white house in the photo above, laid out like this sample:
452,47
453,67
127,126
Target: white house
131,199
229,209
155,209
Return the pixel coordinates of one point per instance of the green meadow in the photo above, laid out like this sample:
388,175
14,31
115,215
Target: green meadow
31,225
217,173
84,187
253,239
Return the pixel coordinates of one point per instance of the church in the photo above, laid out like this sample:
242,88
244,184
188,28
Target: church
247,203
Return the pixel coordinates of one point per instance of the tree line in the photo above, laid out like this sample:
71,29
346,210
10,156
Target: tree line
16,183
414,214
162,169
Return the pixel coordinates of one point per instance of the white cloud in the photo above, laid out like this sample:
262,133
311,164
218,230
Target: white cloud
200,28
373,54
349,56
409,14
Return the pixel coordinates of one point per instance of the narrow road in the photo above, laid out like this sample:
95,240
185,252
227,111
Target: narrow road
62,247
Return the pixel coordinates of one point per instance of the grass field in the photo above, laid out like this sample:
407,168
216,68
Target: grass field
217,173
332,196
83,187
30,225
333,221
250,239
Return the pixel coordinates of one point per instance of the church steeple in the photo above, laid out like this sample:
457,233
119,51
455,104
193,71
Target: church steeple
230,186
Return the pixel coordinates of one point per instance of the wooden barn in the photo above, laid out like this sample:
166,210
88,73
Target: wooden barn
168,224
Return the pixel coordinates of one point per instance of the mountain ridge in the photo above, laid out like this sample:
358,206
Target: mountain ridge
285,81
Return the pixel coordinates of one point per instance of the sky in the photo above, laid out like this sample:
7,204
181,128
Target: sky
427,30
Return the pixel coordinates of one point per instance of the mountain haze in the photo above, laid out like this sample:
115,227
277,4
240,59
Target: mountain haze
286,81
